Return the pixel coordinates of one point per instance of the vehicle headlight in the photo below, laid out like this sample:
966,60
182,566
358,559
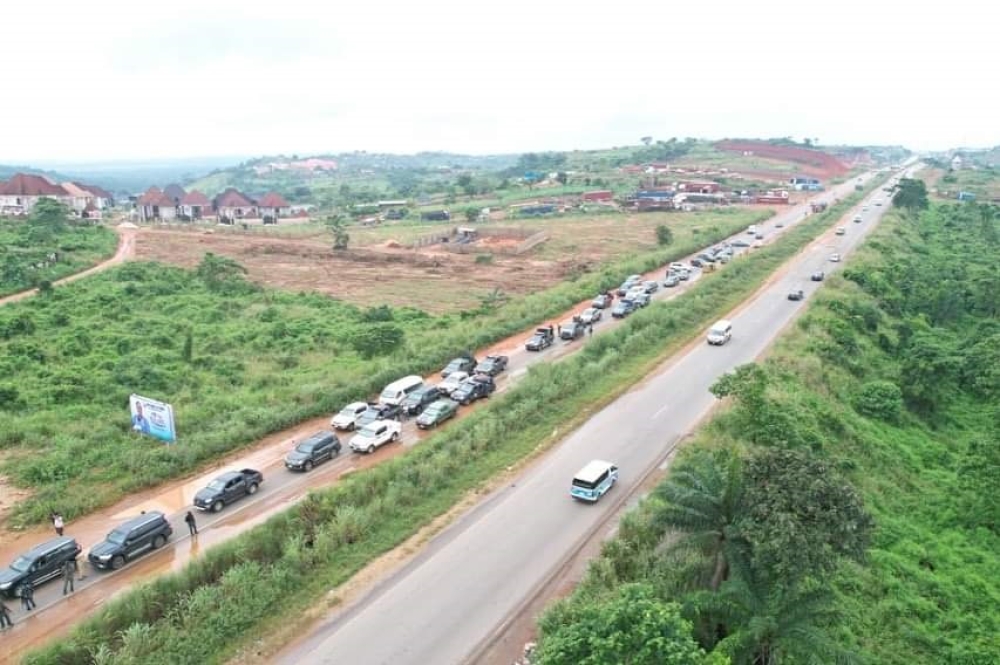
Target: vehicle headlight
6,585
104,557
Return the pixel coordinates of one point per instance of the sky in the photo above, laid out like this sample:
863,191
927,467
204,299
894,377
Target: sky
112,80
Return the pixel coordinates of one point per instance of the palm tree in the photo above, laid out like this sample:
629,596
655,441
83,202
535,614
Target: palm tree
704,500
766,621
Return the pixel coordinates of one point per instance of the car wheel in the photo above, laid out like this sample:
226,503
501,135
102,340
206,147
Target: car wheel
159,541
218,505
252,489
117,562
370,449
395,436
308,466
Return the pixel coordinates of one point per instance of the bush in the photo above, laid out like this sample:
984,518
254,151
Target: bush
882,400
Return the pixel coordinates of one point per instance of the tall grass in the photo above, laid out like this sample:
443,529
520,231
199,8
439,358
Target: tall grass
372,511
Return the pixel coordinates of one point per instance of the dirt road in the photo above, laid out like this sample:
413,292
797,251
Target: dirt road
125,251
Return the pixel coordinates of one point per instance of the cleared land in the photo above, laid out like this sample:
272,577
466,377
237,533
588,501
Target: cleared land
380,269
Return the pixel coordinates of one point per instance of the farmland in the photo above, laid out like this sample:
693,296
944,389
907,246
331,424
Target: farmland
379,269
887,385
27,248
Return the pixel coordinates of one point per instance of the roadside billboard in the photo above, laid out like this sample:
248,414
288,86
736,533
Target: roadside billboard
153,418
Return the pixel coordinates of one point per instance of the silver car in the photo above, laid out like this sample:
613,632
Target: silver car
453,381
590,315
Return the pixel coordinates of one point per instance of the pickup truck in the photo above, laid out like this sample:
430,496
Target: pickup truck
542,339
473,388
492,365
227,488
375,434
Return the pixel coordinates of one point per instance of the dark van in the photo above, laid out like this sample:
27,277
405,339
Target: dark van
39,564
139,535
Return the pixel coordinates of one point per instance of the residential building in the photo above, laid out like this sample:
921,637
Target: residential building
20,194
233,204
154,205
195,205
272,205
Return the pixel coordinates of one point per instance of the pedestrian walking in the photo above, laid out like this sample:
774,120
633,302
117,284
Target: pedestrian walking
57,522
28,596
590,330
5,621
192,524
559,330
70,569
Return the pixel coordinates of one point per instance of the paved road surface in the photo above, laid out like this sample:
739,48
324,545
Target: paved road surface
440,607
280,489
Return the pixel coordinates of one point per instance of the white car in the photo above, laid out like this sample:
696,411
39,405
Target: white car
878,202
835,258
375,434
347,419
590,315
841,230
453,381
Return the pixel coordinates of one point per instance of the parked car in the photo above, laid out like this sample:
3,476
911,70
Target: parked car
602,301
676,265
739,242
697,263
437,413
145,533
319,447
759,235
374,435
475,387
542,339
684,274
878,202
39,564
626,285
796,294
572,330
228,487
492,365
460,364
591,315
453,381
641,299
671,281
378,412
858,219
417,401
817,276
835,258
651,286
841,230
706,257
623,308
347,418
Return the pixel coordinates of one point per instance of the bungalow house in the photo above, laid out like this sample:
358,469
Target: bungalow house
155,205
20,194
102,197
231,204
272,206
175,192
78,198
195,205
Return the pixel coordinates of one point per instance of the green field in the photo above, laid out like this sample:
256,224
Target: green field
887,387
26,247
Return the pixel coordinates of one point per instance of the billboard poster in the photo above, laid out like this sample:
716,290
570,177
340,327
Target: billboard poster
153,418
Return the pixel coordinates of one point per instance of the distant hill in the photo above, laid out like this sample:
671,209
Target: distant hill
134,176
7,171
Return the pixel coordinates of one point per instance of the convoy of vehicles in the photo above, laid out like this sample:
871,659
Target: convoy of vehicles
319,447
145,533
475,387
437,413
227,488
542,339
492,365
375,435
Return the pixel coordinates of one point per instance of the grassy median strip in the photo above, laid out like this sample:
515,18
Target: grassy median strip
237,362
230,595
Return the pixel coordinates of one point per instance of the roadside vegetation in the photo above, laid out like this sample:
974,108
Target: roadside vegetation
842,508
226,598
236,361
46,246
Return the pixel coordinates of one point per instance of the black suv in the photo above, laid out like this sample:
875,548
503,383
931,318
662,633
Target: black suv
39,564
319,447
415,402
460,364
377,412
473,388
139,535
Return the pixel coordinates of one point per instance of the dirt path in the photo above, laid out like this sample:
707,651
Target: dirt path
125,251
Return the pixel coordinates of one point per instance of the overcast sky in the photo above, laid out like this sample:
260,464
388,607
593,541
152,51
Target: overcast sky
110,79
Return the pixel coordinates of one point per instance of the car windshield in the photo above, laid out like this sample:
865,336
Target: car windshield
305,447
217,484
116,537
367,431
21,564
348,412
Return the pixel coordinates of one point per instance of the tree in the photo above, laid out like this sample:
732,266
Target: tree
335,223
633,627
911,194
664,235
646,140
928,371
472,213
767,623
220,273
880,399
978,476
464,182
377,339
801,517
704,503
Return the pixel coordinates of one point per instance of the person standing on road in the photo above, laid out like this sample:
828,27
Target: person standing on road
590,329
70,569
192,524
5,621
28,596
58,523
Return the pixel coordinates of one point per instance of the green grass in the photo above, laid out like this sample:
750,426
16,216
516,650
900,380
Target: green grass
910,309
228,597
23,247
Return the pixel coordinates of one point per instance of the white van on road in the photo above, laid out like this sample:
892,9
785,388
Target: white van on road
720,332
397,391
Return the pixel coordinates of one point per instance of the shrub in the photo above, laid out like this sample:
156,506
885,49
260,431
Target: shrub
882,400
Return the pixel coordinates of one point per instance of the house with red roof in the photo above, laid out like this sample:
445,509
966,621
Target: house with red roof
155,205
273,206
20,194
233,204
102,197
175,192
195,205
78,197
